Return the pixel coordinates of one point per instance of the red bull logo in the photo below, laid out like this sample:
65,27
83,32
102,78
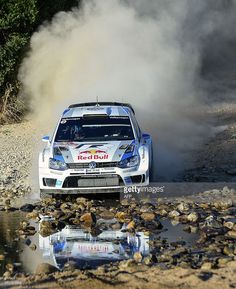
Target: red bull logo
93,154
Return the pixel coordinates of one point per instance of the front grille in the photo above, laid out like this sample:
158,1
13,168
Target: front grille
86,165
92,181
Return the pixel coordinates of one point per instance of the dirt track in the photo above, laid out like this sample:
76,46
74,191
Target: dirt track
216,161
139,277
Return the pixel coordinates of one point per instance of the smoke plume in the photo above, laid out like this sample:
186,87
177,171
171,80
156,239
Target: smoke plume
148,53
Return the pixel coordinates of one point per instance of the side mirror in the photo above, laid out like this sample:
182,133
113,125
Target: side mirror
46,139
146,136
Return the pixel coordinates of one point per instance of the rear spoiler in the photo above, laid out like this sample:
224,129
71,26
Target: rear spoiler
102,104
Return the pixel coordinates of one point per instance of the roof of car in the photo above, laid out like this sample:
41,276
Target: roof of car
98,109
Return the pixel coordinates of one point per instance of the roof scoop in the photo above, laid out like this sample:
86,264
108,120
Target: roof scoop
96,111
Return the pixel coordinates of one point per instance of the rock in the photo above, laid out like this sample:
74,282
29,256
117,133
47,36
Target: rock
24,224
205,276
45,268
81,201
30,231
32,216
148,260
121,217
229,225
223,204
65,208
131,225
206,266
57,214
116,226
204,206
166,258
138,257
47,228
123,265
193,217
148,216
10,267
27,242
107,215
183,207
174,214
228,251
145,208
33,247
88,219
125,202
7,275
27,208
231,234
7,202
163,213
193,229
211,221
221,262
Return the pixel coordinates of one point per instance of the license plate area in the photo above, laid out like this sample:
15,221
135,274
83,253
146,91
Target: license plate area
92,171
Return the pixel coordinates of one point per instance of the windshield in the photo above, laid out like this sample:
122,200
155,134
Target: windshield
94,129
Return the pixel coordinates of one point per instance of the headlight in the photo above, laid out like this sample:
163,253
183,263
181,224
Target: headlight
57,165
129,162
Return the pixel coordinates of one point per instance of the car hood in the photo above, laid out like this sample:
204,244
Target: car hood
76,152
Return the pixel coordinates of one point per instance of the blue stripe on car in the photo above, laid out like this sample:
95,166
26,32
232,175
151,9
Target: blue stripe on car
59,158
127,155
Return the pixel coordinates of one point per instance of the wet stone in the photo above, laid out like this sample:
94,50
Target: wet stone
231,234
88,219
193,217
138,257
174,214
204,276
223,205
206,266
107,215
27,208
148,216
47,228
183,207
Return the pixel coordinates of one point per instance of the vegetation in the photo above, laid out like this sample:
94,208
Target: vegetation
18,20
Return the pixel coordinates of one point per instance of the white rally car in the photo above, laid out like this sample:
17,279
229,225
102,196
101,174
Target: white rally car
96,147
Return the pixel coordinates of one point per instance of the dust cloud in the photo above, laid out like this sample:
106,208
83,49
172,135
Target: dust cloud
147,53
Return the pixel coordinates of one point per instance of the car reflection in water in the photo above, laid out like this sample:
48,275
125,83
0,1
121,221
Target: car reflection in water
73,245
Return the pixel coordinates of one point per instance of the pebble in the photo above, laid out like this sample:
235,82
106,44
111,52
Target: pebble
192,217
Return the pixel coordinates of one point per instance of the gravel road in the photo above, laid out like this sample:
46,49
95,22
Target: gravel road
16,143
20,143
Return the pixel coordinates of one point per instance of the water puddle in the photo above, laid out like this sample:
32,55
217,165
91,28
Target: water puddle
74,246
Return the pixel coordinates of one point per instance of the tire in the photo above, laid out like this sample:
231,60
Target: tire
44,195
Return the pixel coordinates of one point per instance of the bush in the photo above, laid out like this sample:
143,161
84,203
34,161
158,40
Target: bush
18,20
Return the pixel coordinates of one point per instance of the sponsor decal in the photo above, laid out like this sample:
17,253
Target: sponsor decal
96,248
93,154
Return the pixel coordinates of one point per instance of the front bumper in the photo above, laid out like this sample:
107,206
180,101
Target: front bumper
102,180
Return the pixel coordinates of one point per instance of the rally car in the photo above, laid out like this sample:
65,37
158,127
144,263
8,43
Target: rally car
96,147
84,250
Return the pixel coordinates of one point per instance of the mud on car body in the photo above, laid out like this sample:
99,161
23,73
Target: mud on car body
96,147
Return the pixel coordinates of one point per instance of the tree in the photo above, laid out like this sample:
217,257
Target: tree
18,20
